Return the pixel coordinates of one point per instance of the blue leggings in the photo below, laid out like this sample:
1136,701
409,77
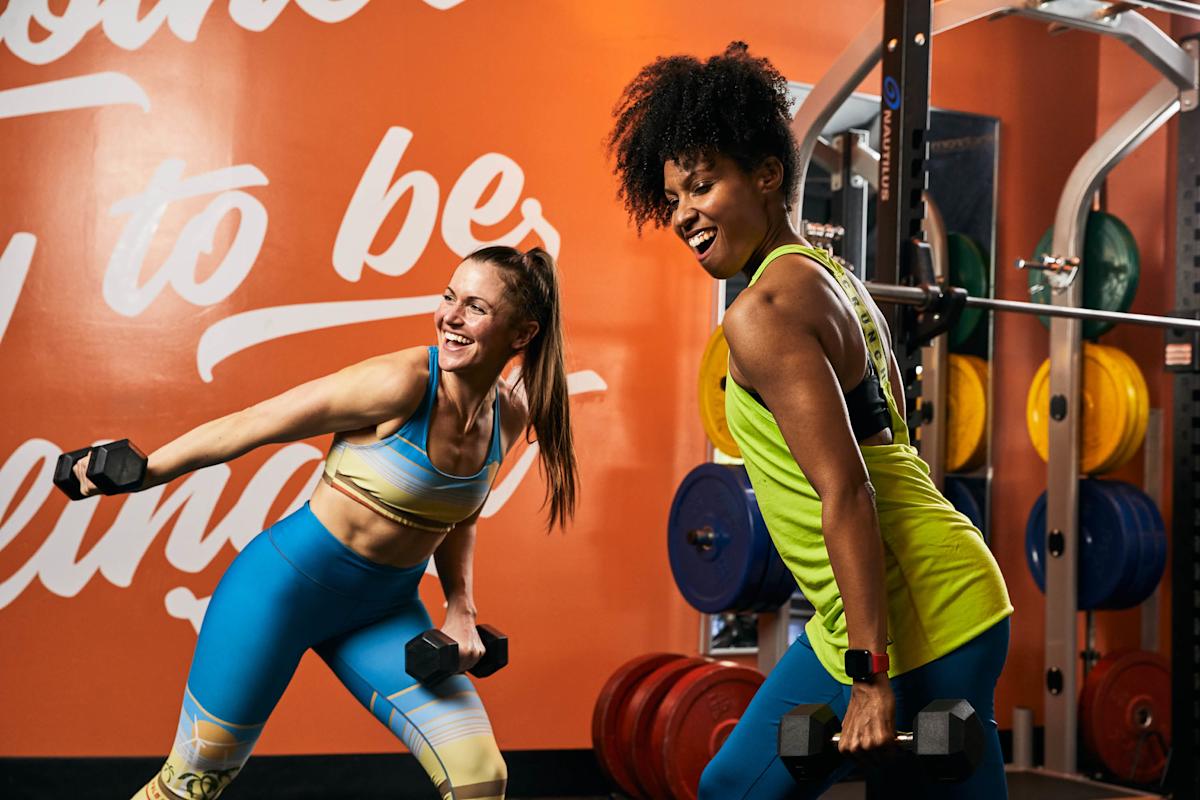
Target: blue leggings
295,587
747,766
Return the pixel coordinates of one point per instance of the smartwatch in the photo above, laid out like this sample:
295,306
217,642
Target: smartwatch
862,664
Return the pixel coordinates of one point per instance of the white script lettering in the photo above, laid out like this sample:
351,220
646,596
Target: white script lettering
121,289
376,196
14,267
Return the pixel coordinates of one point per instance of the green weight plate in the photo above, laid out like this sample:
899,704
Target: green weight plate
1111,268
968,269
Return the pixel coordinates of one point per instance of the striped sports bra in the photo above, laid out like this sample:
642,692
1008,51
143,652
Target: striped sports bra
395,478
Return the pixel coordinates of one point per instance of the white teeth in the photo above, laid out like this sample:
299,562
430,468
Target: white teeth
454,337
701,237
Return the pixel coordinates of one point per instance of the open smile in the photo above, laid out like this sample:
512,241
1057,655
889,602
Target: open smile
702,241
456,339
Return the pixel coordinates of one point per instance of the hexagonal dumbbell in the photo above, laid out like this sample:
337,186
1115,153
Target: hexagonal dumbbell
432,656
115,468
947,741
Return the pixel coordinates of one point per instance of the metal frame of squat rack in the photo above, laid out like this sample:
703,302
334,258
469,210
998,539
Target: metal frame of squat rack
1179,68
1183,358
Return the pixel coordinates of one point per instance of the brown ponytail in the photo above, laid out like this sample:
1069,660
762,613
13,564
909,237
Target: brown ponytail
532,281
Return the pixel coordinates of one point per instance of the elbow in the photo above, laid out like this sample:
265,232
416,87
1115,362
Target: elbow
850,498
242,431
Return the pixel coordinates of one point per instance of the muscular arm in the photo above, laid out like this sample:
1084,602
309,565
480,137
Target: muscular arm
777,349
454,558
356,397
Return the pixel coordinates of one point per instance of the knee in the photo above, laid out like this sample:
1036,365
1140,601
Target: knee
491,767
719,781
200,771
207,754
482,773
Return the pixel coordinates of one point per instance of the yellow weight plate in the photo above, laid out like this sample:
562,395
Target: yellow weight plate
1140,397
981,368
714,365
1127,394
1126,398
966,413
1036,402
1106,412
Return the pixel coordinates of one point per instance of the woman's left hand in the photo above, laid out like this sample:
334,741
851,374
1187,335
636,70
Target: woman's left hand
869,728
461,628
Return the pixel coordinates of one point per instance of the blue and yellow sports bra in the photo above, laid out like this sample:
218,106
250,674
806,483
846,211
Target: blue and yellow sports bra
394,476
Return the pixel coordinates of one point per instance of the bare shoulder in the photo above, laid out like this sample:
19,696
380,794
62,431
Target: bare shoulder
400,376
514,412
792,296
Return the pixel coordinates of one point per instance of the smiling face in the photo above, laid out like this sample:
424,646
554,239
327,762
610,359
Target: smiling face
476,323
721,212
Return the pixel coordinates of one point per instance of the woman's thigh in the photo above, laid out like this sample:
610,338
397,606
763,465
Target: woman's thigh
445,725
260,620
969,673
748,764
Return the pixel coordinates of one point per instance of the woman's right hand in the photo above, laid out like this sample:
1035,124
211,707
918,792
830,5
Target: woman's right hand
86,487
461,628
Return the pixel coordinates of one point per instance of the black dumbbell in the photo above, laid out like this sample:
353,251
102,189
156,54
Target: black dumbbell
433,656
114,467
947,741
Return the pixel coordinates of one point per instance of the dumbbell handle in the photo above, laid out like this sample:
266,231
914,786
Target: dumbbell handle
904,738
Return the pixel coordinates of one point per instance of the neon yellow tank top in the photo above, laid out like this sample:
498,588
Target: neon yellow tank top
943,585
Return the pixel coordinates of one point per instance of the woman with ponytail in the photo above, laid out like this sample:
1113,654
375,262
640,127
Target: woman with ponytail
419,435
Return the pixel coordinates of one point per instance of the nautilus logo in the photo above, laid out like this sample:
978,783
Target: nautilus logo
891,92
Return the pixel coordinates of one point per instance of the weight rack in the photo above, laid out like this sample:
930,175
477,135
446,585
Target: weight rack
908,26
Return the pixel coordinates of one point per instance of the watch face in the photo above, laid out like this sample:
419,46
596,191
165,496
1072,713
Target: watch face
858,663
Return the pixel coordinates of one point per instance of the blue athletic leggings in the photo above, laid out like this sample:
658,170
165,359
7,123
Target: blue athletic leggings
295,587
748,767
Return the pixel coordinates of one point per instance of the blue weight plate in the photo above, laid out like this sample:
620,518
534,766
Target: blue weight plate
1134,521
762,598
962,496
1152,535
778,585
1103,543
785,586
723,569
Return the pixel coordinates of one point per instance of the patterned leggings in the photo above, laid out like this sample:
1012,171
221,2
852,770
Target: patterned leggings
296,586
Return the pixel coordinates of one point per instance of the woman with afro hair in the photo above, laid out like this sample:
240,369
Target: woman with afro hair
910,604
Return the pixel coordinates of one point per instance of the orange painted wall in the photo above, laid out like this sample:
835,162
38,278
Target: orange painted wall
307,103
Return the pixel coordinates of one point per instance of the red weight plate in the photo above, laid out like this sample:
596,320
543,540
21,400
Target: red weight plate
695,719
1125,709
637,723
610,706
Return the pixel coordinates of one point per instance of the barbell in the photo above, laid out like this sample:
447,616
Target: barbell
929,296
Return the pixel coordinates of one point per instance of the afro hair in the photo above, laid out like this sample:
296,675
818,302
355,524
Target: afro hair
679,108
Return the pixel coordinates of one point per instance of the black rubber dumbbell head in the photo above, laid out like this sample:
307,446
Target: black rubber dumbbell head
806,744
64,473
949,739
495,655
431,657
117,467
